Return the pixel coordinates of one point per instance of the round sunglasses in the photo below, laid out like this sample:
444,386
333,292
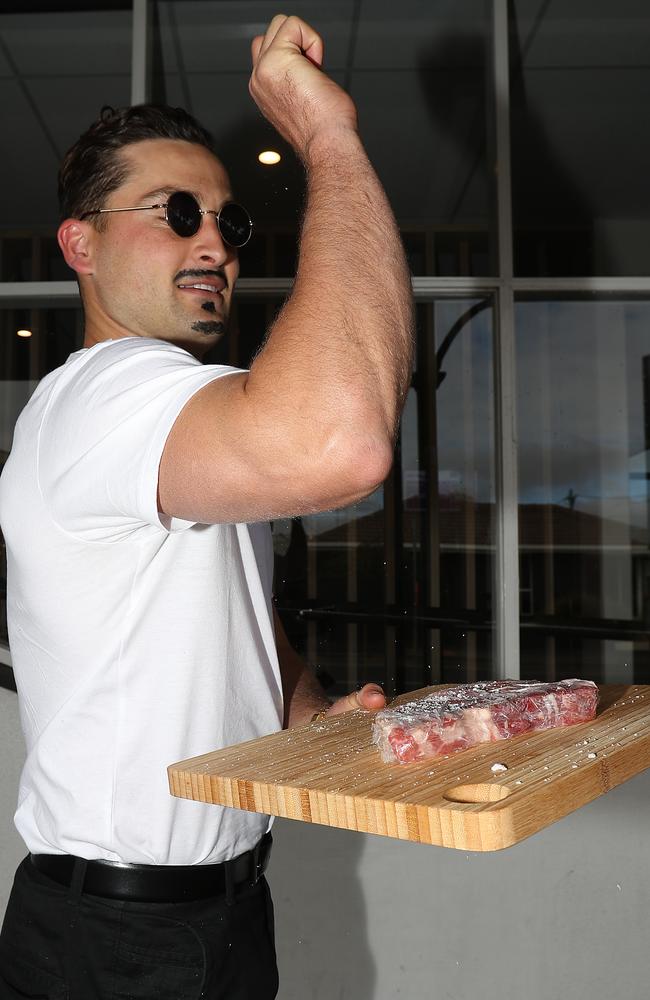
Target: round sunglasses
183,214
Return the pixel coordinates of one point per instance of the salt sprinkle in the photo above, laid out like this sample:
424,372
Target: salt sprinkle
591,756
498,767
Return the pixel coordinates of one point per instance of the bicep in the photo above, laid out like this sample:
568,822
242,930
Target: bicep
232,456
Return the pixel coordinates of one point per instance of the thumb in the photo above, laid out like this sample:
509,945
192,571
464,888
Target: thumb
256,46
370,698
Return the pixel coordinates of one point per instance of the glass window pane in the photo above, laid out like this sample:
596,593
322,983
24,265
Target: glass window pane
57,70
580,161
583,383
418,76
398,588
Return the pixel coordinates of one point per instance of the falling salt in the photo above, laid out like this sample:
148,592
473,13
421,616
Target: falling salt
499,767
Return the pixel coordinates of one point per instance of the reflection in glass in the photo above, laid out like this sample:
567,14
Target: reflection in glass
418,76
398,588
57,69
55,333
583,370
13,396
580,162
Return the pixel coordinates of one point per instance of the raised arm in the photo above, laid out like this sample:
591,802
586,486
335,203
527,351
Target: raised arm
312,426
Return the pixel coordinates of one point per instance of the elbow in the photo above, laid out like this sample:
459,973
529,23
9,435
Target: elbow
373,464
361,463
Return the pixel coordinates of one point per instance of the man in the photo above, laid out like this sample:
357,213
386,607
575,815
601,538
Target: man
139,568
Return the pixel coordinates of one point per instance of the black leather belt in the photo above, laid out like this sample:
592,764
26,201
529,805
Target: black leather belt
157,883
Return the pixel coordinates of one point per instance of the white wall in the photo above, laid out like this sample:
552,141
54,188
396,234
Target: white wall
12,752
562,916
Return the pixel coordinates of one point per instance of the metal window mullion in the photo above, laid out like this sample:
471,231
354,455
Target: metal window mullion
424,289
141,52
583,286
507,534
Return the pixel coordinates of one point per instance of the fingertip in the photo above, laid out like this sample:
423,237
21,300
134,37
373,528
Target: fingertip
372,697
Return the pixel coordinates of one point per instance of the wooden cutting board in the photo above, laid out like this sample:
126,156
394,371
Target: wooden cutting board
330,772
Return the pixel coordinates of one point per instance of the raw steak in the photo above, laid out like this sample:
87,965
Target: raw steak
462,716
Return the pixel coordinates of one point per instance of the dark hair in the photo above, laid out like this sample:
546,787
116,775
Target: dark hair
93,167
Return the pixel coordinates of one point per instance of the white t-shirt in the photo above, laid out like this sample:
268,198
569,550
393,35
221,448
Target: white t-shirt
135,643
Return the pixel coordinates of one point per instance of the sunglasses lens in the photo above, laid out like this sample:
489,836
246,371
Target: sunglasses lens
183,213
235,224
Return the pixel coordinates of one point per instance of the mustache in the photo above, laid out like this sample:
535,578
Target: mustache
202,273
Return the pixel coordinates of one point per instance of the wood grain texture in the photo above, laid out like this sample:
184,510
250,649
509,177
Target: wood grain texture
330,772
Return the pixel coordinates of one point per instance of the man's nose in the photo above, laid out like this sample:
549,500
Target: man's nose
209,243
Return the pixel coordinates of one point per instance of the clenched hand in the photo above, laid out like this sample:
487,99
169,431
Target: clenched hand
290,88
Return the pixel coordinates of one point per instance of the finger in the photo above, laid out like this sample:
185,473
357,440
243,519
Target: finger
371,697
256,47
303,35
272,31
312,47
293,31
315,53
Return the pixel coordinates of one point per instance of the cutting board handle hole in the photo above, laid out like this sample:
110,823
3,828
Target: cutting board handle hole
476,793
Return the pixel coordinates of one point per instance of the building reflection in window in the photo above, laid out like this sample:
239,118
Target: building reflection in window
583,428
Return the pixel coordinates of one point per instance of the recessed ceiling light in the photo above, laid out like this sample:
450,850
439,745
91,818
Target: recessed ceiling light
23,333
269,157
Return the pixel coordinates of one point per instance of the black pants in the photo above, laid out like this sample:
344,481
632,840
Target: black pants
54,946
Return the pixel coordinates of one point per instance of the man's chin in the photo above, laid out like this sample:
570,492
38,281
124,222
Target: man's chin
209,327
199,338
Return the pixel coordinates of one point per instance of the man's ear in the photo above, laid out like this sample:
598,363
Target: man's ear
76,242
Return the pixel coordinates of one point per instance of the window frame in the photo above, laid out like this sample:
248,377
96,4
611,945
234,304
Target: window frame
502,288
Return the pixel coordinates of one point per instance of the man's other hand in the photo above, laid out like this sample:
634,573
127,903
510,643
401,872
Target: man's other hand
370,698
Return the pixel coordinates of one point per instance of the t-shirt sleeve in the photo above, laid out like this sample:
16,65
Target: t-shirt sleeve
103,432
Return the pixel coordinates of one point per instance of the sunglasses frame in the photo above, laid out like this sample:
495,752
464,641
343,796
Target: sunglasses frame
201,212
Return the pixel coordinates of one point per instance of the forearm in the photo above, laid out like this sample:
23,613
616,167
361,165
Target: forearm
312,426
352,267
303,698
303,695
335,368
342,344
